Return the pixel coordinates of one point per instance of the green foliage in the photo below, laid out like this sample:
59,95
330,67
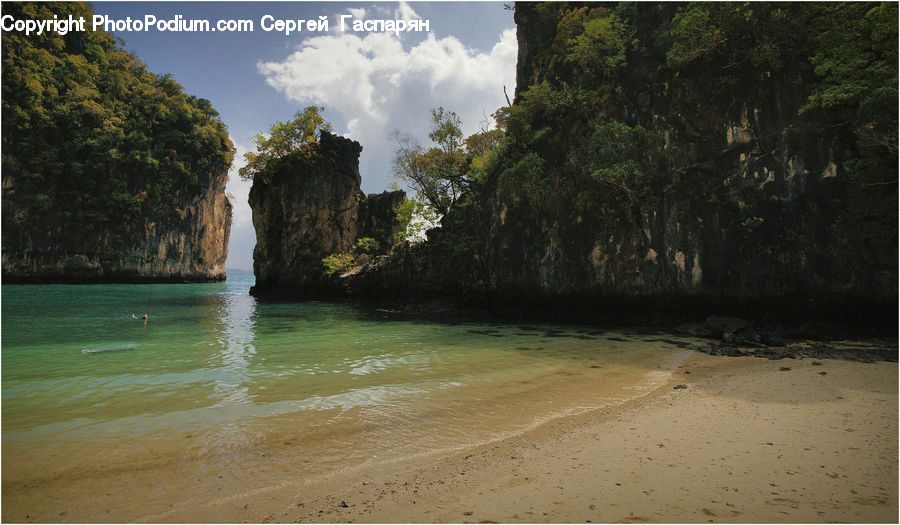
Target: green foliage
694,35
439,173
338,263
414,217
751,223
482,147
92,142
368,246
598,42
855,55
739,37
300,134
620,161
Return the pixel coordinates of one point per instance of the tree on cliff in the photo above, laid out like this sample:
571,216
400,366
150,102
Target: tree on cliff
300,134
441,174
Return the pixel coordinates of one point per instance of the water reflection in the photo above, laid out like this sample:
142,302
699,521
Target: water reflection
234,313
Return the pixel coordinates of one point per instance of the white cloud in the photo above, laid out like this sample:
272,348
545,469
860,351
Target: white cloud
405,12
380,87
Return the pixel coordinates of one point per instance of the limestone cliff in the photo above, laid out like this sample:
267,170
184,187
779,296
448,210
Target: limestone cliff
308,206
747,196
645,166
110,172
189,248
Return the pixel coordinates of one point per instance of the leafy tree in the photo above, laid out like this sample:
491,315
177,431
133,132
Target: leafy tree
414,217
300,134
855,55
595,39
439,173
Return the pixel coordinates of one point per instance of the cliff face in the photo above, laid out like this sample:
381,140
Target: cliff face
750,198
377,216
646,166
188,249
309,206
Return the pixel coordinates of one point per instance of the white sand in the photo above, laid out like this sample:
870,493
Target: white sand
745,442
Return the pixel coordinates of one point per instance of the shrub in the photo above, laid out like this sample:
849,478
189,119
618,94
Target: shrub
338,262
368,246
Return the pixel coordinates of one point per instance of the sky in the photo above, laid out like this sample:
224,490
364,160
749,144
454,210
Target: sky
370,84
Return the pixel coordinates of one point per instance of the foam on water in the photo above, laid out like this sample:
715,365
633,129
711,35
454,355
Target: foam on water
110,347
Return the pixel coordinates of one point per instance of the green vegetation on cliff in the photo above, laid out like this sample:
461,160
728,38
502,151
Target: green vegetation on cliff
297,136
843,55
441,174
94,145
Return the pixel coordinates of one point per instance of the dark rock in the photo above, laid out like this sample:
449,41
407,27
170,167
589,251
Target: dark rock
823,373
377,217
680,387
771,339
809,329
344,505
784,369
807,349
696,330
311,207
725,325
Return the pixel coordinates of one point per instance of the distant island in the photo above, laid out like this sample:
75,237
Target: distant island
110,173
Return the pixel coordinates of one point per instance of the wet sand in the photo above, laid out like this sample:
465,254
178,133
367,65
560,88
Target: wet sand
745,441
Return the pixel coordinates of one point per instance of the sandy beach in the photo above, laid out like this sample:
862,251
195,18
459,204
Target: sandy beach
744,441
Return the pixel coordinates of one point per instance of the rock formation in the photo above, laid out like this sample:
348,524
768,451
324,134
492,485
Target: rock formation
110,172
188,249
726,199
639,175
758,220
308,207
754,200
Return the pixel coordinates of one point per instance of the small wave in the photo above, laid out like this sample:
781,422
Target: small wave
113,347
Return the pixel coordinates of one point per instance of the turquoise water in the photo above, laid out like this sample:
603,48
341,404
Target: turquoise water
216,384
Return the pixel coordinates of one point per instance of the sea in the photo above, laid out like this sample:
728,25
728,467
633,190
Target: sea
110,417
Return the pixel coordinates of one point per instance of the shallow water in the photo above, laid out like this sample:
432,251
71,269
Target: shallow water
219,394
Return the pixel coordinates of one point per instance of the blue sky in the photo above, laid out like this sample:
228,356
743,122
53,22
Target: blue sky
370,84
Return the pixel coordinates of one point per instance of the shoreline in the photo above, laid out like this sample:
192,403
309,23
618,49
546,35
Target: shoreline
745,441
